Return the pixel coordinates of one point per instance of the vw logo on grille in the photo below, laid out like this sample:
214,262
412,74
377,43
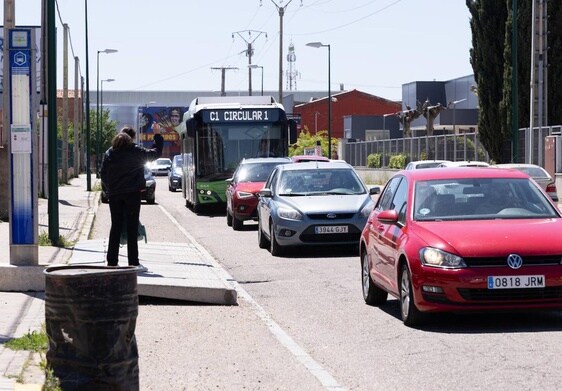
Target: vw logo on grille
514,261
331,215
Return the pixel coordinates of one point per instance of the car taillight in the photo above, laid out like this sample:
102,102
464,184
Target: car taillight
551,188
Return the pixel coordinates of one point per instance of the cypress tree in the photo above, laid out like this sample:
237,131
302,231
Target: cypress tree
488,25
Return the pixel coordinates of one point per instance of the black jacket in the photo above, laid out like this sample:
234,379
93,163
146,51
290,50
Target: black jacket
122,171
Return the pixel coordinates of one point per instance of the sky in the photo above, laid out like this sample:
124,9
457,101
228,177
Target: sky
376,46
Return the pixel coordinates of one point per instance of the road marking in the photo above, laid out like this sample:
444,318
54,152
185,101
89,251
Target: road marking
285,339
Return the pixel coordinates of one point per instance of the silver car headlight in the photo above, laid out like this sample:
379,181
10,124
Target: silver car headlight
438,258
289,213
367,209
150,182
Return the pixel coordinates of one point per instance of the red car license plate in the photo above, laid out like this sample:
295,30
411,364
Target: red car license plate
511,282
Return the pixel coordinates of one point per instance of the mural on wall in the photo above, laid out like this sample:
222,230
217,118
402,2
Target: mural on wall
164,120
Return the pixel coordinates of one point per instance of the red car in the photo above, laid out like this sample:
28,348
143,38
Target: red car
464,239
242,191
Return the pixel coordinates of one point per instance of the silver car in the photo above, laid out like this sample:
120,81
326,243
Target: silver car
313,203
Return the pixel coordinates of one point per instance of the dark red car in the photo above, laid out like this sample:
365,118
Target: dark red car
462,239
242,191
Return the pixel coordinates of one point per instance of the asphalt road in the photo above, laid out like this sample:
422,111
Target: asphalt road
301,324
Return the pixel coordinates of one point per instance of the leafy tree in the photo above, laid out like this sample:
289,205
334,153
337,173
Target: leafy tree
307,140
108,130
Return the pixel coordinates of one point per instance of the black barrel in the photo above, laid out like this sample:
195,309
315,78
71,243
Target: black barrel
91,314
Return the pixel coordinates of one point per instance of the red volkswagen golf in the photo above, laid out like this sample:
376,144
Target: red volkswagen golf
459,239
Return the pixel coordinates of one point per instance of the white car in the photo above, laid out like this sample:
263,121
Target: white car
424,164
465,163
539,175
160,166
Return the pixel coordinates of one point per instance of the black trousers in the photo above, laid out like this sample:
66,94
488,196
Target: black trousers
125,209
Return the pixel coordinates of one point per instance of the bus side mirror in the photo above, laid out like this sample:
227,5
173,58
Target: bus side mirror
190,129
292,131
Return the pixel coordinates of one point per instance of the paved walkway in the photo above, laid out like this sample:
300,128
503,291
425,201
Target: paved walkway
188,273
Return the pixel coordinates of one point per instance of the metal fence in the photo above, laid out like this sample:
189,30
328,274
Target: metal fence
531,148
442,147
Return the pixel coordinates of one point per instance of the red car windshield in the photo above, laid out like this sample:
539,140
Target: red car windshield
480,198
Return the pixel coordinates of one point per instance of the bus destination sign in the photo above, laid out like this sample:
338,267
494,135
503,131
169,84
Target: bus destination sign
243,115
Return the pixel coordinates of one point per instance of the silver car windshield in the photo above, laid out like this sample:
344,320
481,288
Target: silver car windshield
319,182
480,198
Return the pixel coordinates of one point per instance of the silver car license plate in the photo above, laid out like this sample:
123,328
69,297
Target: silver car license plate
331,229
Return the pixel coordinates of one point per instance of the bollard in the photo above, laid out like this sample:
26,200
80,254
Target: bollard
90,314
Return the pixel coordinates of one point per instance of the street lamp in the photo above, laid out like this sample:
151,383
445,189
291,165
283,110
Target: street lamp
101,97
106,51
454,104
316,113
321,45
384,120
253,66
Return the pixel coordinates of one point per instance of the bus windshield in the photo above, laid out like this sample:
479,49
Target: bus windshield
222,146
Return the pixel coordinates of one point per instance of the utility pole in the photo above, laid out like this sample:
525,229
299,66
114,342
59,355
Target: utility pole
281,11
249,51
76,127
9,23
223,77
64,160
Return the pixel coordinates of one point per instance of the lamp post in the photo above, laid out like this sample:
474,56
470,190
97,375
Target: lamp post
319,45
106,51
454,104
253,66
101,99
316,113
384,120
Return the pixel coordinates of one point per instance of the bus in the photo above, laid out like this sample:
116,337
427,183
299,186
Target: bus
220,132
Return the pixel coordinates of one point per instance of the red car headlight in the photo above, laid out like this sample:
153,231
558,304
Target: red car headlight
438,258
244,194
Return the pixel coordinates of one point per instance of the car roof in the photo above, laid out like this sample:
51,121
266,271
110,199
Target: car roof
466,163
428,161
305,158
316,165
253,160
461,173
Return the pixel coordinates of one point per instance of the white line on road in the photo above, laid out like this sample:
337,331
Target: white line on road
285,339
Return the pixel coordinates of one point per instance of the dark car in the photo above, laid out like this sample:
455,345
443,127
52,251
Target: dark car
242,191
462,239
149,194
175,174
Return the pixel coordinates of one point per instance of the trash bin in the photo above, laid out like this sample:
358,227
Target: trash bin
90,314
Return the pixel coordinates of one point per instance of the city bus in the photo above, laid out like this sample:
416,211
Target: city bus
220,132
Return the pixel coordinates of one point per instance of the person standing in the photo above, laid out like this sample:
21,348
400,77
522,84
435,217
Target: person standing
122,174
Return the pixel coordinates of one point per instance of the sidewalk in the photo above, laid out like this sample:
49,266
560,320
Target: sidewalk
24,312
187,272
